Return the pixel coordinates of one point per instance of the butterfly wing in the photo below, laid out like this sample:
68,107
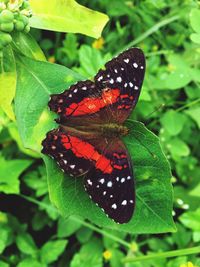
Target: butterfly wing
75,154
110,98
124,73
112,187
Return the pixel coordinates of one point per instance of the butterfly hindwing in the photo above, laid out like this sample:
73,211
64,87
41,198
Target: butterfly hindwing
61,146
112,187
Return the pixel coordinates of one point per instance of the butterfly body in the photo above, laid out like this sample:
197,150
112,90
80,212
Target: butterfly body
88,141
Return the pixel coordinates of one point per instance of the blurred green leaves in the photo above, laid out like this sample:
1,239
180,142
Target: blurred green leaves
67,16
195,23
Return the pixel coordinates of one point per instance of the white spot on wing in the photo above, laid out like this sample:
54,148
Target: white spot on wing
89,182
72,166
109,184
75,90
122,180
102,180
114,206
136,87
126,60
111,81
119,79
135,65
124,202
131,85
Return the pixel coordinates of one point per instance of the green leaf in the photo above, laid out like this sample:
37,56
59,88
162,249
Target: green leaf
3,264
194,113
154,192
90,254
12,128
36,81
195,37
26,244
52,250
91,61
116,258
84,234
8,78
26,45
67,16
178,148
66,227
6,235
178,77
191,219
9,174
30,262
195,19
173,122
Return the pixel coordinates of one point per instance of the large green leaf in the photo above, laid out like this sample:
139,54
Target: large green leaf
66,16
8,78
154,192
36,80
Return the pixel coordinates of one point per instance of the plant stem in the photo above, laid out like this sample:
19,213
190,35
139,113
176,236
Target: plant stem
86,224
188,105
150,31
102,232
159,52
167,254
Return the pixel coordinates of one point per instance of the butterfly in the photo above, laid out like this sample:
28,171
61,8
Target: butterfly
88,141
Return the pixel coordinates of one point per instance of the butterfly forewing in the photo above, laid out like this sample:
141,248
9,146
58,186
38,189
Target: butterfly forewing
112,187
110,98
124,73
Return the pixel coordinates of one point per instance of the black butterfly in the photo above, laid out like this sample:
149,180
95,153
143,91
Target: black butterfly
87,142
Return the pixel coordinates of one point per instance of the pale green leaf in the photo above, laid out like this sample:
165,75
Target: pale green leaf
191,219
9,174
8,78
52,250
173,122
30,262
26,45
67,16
26,244
194,113
195,37
195,19
178,148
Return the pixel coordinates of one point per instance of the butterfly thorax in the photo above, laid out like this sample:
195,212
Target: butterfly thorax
113,130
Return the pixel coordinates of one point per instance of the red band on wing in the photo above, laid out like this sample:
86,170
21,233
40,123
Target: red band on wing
85,150
93,105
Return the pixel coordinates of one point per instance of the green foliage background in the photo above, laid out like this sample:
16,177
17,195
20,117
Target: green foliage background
32,232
